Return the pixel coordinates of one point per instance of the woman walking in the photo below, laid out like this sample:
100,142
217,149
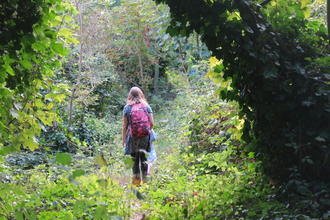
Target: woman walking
133,146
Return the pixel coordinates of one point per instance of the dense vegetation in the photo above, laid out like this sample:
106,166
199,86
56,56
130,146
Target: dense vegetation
275,54
240,95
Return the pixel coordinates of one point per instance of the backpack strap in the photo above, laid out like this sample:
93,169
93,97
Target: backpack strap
145,109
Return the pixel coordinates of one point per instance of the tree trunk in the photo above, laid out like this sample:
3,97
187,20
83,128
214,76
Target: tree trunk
73,91
328,17
156,77
141,72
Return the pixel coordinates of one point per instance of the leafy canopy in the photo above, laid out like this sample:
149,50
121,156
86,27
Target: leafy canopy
29,53
275,56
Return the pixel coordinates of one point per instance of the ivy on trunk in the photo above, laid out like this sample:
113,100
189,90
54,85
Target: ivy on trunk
276,56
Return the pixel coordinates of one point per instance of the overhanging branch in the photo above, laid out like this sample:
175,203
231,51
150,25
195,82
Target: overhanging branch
266,2
328,17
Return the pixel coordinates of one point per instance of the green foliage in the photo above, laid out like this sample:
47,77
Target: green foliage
186,189
223,184
26,160
269,53
219,185
134,50
30,52
47,190
203,171
211,126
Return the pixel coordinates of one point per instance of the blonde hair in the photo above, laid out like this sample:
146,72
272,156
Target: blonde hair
135,96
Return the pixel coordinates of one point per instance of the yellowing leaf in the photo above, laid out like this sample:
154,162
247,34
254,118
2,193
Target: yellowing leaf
307,12
304,3
103,183
38,103
65,32
72,40
31,143
213,62
50,105
59,97
100,160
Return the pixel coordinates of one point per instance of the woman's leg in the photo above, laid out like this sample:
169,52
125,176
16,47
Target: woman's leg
139,159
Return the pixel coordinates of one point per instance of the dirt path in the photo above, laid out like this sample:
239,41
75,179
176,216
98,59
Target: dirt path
138,215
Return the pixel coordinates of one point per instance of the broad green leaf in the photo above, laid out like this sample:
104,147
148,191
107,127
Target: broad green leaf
19,215
304,3
26,64
103,183
77,173
3,193
300,14
29,215
100,160
68,18
80,204
38,103
251,167
138,194
58,48
65,32
31,143
63,158
129,162
9,70
270,73
100,213
307,13
59,97
72,40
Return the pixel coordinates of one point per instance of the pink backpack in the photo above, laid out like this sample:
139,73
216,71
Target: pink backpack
140,124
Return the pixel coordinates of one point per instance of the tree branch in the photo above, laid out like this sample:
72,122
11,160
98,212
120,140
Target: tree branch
328,17
265,3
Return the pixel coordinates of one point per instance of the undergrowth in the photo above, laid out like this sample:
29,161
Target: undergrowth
203,171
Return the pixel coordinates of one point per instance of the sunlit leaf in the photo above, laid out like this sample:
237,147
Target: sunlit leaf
100,160
14,113
77,173
26,64
129,162
103,183
18,105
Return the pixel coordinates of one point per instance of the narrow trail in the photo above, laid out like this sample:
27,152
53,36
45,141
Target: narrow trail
137,215
163,147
